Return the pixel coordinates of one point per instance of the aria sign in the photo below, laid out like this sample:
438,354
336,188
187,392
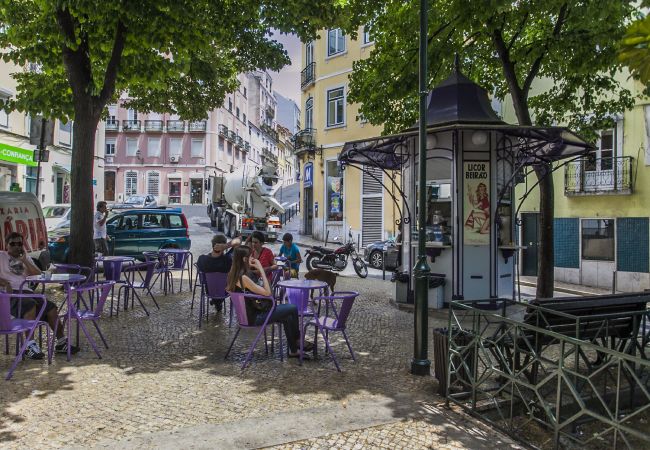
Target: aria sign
308,179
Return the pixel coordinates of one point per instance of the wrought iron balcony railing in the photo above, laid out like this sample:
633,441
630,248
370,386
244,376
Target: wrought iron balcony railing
112,125
247,146
223,131
131,125
304,140
153,125
175,126
198,126
270,111
232,136
270,131
308,75
590,176
239,141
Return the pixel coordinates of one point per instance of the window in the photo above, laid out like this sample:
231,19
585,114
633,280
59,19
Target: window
174,192
175,147
4,119
221,141
131,147
152,221
130,183
110,147
65,133
335,42
335,107
366,35
230,104
309,53
230,148
128,222
598,239
245,92
602,157
30,179
244,119
153,147
175,222
309,113
153,183
197,148
112,115
334,192
132,114
237,112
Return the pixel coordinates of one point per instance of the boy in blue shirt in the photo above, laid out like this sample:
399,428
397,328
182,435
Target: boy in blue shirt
291,251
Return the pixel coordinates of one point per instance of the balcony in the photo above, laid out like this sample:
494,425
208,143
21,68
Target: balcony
223,131
304,141
112,125
198,126
131,125
153,125
308,76
599,176
232,136
175,126
247,147
270,131
239,141
270,111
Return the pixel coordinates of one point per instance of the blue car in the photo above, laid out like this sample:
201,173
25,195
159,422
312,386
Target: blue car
133,232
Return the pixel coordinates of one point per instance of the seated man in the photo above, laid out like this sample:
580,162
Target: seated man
218,260
291,251
15,267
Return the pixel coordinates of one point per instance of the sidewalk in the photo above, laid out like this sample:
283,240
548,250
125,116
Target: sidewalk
566,288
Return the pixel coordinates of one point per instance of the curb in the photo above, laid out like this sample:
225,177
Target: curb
563,290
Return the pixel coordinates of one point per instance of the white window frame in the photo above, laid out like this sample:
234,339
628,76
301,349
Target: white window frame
130,183
150,176
131,147
132,114
153,146
201,153
309,53
110,146
338,34
327,107
172,150
309,113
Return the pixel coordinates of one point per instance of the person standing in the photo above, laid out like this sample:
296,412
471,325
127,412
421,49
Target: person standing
99,226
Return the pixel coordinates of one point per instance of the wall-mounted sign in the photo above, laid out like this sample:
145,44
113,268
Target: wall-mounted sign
476,212
16,155
308,179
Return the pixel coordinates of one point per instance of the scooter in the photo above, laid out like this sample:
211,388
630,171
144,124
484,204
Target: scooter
336,260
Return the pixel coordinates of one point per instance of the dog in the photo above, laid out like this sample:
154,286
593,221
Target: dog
323,275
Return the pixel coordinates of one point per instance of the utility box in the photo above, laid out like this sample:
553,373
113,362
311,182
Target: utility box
402,287
436,290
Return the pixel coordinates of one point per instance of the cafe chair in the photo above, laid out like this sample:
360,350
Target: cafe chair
132,286
213,287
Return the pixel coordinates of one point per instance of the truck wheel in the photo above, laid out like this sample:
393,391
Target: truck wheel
213,222
227,227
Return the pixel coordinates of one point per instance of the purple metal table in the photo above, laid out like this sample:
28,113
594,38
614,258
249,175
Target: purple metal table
297,293
66,280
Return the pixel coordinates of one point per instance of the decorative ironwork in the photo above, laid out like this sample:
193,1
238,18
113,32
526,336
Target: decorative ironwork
270,111
308,75
581,387
153,125
131,125
112,125
587,176
232,136
175,126
198,126
304,141
223,131
269,131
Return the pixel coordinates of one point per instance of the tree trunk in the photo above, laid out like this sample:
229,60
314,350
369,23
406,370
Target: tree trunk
83,154
545,255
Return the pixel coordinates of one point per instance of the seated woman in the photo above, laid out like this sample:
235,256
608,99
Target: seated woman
239,280
263,254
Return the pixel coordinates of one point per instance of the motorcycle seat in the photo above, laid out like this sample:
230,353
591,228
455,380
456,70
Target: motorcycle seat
324,250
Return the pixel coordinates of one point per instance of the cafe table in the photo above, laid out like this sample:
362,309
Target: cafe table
297,293
66,280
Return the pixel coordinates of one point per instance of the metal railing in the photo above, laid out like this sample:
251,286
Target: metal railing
304,140
198,126
131,125
308,75
289,213
153,125
270,111
175,126
223,131
589,175
232,136
112,125
567,391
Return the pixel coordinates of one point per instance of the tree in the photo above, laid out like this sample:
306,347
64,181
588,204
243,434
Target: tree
179,56
635,48
505,46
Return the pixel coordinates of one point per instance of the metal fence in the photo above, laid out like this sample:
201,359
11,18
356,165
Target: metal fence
289,213
567,393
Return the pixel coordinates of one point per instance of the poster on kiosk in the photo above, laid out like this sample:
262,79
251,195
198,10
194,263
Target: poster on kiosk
476,203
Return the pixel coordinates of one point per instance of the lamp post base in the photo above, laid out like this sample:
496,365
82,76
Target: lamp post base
421,367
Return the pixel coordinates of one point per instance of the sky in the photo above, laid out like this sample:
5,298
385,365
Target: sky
287,81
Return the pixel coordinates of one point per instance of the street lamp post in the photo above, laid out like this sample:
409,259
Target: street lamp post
420,365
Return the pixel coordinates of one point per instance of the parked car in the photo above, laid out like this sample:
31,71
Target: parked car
137,201
133,232
375,256
21,212
57,216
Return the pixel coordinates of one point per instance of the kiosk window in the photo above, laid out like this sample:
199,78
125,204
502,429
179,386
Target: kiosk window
598,239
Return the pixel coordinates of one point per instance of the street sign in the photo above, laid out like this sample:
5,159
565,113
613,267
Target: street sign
308,179
35,127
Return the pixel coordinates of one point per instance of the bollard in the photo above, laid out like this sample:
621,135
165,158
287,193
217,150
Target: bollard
614,282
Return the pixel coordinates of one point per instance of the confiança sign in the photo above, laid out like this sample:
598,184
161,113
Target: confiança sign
17,155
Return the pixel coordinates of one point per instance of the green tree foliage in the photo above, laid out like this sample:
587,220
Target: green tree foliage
511,48
635,49
179,56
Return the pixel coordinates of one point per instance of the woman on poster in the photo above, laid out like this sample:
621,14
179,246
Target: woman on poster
480,214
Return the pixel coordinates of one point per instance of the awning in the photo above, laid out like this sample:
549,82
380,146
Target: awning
61,168
175,175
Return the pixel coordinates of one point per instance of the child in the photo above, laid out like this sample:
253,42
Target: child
291,251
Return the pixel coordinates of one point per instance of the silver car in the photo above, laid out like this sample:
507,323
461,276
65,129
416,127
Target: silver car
137,201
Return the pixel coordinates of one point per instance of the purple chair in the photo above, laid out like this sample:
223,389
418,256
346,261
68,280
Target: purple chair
9,326
132,286
89,305
76,269
213,287
176,261
334,319
197,284
238,300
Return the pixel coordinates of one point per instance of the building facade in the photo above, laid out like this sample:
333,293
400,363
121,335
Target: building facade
286,156
288,113
335,200
602,208
172,158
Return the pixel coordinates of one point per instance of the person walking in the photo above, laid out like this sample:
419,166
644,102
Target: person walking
99,227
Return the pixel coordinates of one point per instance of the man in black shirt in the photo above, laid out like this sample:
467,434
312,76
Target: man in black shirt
218,260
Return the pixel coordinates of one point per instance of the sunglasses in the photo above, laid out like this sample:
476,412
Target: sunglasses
15,244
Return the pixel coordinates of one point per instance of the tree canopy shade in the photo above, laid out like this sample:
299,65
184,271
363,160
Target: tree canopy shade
635,49
555,60
179,56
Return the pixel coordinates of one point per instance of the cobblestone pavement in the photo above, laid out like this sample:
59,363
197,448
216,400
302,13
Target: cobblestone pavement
164,373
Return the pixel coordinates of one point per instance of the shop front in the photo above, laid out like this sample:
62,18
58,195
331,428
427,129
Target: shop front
13,160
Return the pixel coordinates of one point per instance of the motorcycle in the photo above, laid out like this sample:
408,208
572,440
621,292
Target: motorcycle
336,260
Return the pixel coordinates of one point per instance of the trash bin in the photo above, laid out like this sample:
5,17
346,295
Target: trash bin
441,357
401,287
436,290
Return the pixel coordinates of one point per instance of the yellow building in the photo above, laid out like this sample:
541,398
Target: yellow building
333,200
602,208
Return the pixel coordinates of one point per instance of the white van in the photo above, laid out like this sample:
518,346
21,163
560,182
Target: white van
21,212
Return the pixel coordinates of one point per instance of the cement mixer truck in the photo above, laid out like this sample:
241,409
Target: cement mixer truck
243,202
